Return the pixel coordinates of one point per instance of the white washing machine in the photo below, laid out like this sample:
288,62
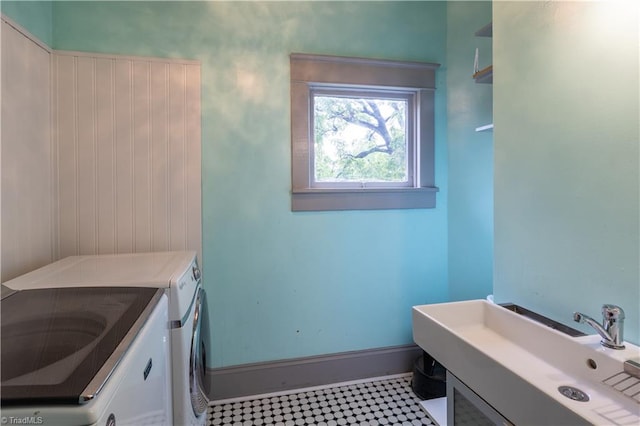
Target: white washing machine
175,272
75,357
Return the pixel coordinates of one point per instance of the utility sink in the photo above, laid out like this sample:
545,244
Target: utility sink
517,365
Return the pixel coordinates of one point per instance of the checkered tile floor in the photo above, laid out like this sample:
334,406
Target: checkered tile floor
382,402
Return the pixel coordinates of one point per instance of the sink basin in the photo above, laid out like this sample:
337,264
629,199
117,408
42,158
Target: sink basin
543,320
517,364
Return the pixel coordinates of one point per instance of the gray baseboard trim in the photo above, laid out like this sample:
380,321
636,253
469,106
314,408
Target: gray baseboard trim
277,376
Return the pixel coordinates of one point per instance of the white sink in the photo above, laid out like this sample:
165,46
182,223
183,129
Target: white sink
517,364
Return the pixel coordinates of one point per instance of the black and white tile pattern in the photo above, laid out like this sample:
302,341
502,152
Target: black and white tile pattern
388,401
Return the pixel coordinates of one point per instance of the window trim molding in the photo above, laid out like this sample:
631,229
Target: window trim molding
309,71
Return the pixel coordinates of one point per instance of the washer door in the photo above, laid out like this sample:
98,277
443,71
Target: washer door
197,359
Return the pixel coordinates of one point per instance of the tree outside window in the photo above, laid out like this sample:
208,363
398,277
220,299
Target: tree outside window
360,140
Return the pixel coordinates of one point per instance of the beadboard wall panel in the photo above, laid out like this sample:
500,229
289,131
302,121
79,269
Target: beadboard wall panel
27,235
128,142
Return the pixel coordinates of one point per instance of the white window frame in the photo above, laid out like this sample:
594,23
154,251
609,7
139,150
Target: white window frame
311,73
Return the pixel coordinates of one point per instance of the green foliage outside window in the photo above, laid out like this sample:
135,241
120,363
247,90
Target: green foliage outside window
360,139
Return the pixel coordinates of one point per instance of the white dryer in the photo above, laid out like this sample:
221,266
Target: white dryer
176,272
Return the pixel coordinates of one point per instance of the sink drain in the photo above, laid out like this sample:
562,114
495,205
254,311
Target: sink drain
573,393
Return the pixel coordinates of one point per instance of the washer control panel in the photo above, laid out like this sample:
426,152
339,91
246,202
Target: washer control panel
183,293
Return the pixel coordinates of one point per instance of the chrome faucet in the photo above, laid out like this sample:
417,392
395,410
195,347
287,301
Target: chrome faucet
612,328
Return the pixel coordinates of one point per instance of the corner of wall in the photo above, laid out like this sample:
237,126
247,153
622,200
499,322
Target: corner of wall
35,16
470,154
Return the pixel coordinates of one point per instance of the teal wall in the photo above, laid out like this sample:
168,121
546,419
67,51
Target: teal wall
470,154
34,16
567,205
282,284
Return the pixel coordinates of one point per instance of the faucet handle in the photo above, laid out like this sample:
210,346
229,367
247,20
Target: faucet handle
612,313
613,323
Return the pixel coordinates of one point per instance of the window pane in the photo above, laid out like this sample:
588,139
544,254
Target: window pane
360,139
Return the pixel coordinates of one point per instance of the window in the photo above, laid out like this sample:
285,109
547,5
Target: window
361,133
360,139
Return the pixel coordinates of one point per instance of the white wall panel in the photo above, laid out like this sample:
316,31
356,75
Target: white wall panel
65,143
105,135
141,158
177,155
193,163
27,164
123,156
86,184
160,225
129,146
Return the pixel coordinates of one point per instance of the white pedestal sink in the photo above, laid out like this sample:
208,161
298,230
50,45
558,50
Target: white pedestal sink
517,365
